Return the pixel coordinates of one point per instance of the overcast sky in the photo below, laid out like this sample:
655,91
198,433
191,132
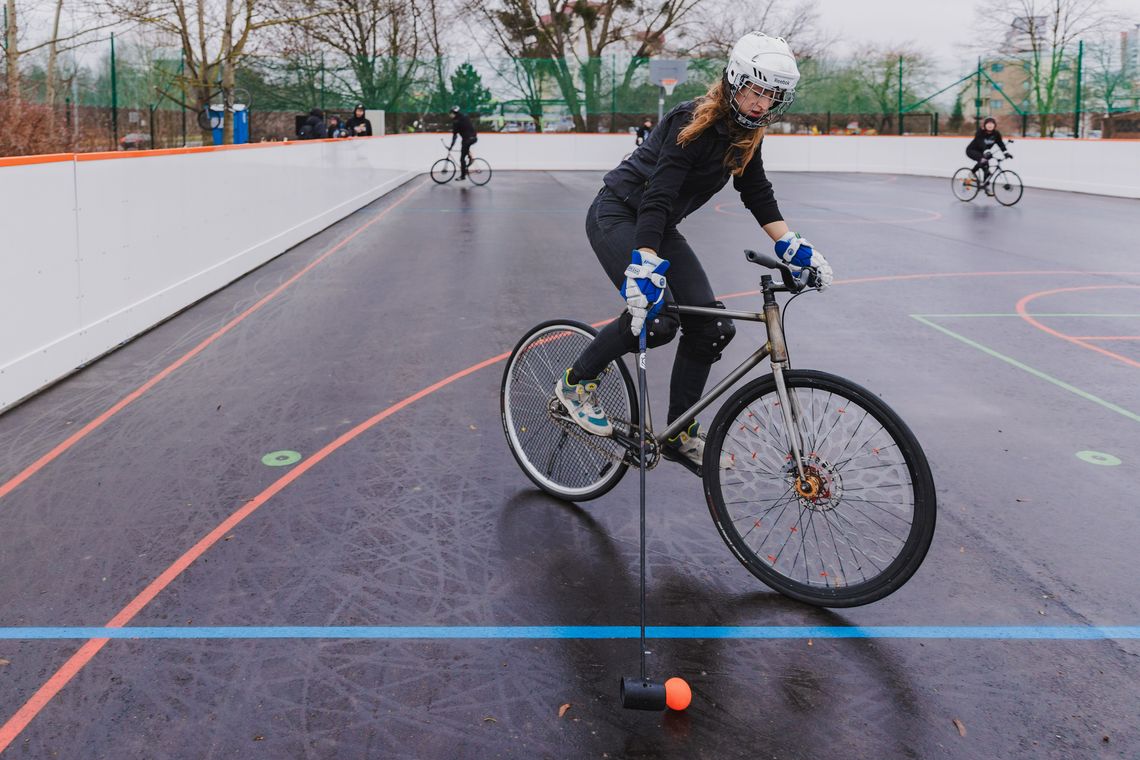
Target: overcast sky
940,27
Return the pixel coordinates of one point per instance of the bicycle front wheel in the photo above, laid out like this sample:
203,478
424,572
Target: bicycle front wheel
479,171
861,524
965,184
558,456
442,171
1007,187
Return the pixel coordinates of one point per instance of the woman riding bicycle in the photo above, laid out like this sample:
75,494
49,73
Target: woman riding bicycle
686,160
979,147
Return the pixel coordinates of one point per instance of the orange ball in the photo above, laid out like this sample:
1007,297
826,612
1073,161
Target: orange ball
678,695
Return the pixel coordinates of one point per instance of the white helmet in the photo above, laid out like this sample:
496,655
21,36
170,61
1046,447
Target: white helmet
765,64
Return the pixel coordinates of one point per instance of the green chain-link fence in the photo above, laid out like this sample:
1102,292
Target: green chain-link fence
126,97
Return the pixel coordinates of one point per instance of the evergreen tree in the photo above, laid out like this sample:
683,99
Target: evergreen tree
956,116
468,90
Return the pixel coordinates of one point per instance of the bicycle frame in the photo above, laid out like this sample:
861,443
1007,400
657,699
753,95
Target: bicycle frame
451,149
775,347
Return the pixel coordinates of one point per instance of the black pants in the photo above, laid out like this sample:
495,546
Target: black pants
465,154
610,226
981,161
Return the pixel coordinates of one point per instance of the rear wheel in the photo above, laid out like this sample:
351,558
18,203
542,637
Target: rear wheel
1007,187
857,527
965,184
554,452
442,171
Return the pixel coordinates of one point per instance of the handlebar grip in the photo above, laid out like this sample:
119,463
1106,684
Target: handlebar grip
791,282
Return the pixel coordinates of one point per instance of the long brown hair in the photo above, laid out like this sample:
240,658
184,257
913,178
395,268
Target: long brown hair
711,106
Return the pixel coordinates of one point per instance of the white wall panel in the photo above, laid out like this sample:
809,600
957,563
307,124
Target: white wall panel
38,275
99,249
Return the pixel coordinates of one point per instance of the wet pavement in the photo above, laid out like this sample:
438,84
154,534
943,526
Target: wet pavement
1007,338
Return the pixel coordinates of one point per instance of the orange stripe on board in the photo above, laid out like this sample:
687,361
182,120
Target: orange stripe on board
113,154
49,158
74,438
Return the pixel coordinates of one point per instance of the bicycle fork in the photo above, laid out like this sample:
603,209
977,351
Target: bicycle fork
789,407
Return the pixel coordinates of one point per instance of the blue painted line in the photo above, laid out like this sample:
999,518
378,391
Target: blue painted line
1060,632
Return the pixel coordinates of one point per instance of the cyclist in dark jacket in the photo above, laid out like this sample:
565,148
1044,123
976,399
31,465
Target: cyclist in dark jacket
979,147
462,127
688,158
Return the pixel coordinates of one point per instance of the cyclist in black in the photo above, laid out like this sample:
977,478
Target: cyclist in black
686,160
979,147
644,130
462,127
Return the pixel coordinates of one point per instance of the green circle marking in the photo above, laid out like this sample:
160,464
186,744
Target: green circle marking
1097,457
281,458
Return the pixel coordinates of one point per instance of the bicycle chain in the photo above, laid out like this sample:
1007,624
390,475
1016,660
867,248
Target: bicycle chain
557,415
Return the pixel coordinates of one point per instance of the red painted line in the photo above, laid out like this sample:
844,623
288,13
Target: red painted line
74,438
1106,337
1022,310
30,709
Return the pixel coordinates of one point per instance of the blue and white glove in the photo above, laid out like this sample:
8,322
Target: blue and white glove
644,288
798,253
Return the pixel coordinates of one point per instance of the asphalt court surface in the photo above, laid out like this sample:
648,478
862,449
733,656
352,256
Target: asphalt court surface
298,494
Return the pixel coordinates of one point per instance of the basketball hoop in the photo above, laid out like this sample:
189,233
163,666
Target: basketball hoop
668,85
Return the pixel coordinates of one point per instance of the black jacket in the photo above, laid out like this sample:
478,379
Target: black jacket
462,126
642,133
313,128
352,124
984,140
666,182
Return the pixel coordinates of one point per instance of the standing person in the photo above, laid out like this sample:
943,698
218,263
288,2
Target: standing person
644,130
687,159
979,147
358,126
462,127
314,126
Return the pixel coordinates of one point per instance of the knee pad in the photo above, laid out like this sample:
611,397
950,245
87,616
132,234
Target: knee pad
658,331
704,338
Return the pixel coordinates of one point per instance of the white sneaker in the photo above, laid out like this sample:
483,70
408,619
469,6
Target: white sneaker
690,445
580,403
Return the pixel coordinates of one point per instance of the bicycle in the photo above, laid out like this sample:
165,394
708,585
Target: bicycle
443,170
828,497
1003,184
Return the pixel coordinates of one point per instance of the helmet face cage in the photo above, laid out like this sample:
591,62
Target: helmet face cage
779,100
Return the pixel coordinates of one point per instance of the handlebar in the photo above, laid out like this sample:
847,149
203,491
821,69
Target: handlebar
807,277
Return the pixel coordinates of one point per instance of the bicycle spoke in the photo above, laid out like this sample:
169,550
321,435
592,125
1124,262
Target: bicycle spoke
861,516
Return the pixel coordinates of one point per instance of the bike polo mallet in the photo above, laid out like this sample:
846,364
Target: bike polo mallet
642,693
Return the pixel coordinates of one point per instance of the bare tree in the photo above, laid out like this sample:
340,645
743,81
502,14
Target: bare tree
55,44
12,51
1043,34
379,39
877,69
1111,78
797,21
574,36
215,35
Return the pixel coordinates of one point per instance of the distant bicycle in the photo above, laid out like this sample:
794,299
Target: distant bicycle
1003,184
443,170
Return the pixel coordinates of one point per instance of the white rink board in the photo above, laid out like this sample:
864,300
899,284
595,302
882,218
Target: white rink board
97,249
